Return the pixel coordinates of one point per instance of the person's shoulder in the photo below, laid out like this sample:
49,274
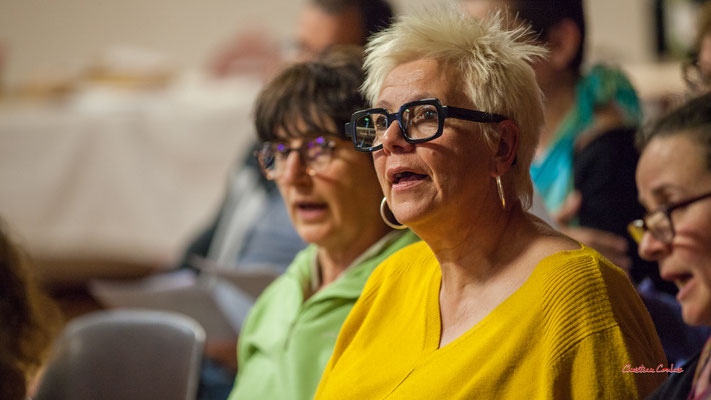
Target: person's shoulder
584,272
584,293
575,255
575,293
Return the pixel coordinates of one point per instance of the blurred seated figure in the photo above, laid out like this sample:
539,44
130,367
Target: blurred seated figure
332,196
585,161
28,322
322,23
246,230
674,182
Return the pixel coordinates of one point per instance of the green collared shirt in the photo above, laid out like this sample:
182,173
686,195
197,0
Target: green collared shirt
286,341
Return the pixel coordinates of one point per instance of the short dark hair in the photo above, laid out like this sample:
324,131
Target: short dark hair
693,119
375,14
326,87
544,15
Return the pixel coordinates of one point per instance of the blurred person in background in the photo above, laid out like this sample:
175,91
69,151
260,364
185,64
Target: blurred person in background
493,303
332,196
584,164
674,182
322,23
697,71
241,232
28,322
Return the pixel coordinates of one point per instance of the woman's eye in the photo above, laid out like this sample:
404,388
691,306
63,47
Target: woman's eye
281,151
425,115
381,123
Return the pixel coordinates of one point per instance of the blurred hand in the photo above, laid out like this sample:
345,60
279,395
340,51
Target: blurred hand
610,245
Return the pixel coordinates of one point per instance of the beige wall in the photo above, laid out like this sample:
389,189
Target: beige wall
621,30
63,35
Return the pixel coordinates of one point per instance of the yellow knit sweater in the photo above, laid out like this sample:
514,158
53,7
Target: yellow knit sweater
566,333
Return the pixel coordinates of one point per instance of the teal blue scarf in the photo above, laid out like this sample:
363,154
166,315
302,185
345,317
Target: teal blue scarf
552,173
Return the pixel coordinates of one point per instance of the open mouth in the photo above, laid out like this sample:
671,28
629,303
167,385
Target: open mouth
311,206
407,176
682,279
686,284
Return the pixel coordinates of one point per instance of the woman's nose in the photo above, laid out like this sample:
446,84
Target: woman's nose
394,141
294,169
651,249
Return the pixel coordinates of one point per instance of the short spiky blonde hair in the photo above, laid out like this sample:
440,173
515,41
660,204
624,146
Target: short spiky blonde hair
491,60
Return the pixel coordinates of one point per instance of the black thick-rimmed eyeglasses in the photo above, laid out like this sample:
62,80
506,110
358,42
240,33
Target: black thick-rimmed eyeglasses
659,222
420,121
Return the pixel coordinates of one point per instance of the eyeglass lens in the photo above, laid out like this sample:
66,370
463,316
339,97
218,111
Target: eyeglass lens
660,226
315,154
419,121
657,224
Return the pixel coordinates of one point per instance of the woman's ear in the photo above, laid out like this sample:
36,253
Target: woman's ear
507,147
564,41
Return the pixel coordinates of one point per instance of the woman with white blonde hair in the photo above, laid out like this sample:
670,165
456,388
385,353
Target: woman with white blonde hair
493,303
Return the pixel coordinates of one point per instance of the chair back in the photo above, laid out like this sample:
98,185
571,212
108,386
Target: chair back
125,354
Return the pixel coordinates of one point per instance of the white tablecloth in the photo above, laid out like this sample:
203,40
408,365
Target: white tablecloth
118,175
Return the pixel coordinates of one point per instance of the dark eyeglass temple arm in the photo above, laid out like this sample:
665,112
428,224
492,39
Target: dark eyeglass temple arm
472,115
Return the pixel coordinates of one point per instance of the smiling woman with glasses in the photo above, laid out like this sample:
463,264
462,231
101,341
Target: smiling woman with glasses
674,182
332,196
493,303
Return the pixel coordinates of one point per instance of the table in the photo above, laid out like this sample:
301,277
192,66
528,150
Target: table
110,182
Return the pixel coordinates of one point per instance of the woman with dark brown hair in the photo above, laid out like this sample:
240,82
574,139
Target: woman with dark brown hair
28,321
332,196
674,182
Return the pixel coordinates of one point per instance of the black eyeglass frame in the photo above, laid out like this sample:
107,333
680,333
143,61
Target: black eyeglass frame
443,112
666,210
329,145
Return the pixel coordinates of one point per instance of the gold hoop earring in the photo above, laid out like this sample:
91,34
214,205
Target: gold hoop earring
500,188
394,225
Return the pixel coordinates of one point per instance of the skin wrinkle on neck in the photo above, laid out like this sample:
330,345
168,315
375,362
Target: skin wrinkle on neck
478,258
